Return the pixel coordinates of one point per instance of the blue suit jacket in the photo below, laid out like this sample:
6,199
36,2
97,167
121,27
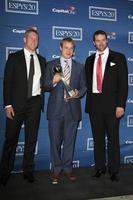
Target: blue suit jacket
56,98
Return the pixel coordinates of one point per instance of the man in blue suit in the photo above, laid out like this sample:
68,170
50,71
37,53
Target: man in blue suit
64,112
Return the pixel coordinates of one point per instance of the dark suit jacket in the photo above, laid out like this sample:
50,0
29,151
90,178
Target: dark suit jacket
15,80
56,98
115,82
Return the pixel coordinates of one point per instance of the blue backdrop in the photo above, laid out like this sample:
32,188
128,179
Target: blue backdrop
79,19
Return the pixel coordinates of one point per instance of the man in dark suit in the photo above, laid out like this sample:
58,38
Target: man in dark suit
23,101
107,88
64,112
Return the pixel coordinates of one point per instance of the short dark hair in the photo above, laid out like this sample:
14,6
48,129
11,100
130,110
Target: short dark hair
67,39
99,32
29,31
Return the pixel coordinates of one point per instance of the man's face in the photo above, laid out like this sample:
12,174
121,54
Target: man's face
31,41
100,42
67,50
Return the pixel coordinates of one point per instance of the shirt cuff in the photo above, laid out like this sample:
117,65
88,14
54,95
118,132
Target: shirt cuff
8,106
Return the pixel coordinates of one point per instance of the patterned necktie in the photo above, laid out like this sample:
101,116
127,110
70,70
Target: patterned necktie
67,72
99,73
66,76
31,74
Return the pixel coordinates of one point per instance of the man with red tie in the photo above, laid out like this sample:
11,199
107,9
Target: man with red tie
107,88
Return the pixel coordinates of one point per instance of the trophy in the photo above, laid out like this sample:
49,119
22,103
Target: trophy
67,87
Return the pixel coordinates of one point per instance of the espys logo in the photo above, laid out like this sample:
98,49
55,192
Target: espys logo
61,32
90,143
130,37
128,159
129,120
91,52
69,10
75,164
80,125
11,50
22,6
20,149
101,13
130,79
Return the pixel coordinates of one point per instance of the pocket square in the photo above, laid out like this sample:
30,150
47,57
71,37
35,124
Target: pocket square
112,64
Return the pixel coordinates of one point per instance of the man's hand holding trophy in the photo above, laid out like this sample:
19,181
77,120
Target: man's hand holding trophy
58,76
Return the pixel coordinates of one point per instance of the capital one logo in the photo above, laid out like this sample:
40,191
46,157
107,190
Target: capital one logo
129,120
59,32
101,13
20,149
128,159
130,59
130,79
130,37
22,6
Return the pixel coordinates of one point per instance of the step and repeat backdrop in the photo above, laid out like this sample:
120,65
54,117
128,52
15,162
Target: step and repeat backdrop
79,19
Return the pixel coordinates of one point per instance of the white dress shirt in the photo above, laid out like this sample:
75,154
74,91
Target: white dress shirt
36,90
104,58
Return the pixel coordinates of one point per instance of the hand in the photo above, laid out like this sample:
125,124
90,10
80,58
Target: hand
75,95
119,112
56,78
9,112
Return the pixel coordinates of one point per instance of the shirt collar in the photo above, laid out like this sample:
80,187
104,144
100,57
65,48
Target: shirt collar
27,53
105,52
62,60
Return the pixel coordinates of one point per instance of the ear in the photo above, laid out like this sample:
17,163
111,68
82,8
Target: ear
94,43
24,39
60,48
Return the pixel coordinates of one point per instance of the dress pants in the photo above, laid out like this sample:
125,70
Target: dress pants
30,116
105,125
62,133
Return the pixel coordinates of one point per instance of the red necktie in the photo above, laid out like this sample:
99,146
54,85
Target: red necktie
99,73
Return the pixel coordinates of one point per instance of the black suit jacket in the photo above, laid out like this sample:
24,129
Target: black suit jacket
15,80
115,82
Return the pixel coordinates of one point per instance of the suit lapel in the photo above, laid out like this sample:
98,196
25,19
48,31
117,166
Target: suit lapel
90,71
109,60
73,72
23,63
41,65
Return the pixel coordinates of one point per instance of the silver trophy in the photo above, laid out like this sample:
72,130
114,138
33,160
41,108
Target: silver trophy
67,87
